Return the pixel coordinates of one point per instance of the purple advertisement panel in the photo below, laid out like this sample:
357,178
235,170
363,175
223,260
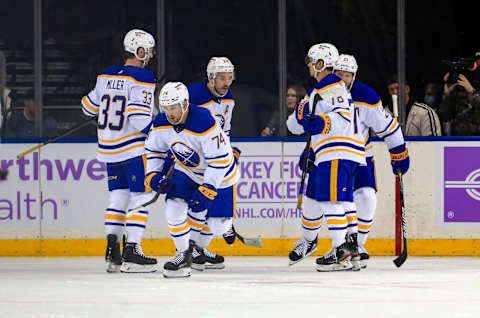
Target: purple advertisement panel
461,184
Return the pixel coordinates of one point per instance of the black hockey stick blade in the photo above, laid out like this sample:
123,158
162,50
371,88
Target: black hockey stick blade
256,242
402,257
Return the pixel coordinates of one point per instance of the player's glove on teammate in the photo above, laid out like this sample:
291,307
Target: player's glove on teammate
400,160
202,199
236,152
310,161
158,182
318,124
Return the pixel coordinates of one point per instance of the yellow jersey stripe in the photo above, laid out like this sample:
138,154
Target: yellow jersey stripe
203,133
120,151
361,143
340,149
90,107
328,86
120,139
367,104
333,181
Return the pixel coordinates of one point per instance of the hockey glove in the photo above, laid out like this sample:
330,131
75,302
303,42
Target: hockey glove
319,124
169,160
203,198
158,182
400,159
310,161
236,153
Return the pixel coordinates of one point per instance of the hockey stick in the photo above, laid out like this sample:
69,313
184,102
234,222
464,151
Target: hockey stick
256,242
155,198
316,99
49,141
403,256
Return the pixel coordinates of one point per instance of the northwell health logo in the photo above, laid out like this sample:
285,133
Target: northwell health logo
471,184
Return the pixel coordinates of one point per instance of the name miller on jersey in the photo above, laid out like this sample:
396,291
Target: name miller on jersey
115,84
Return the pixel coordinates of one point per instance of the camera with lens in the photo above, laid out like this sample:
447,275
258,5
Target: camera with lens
454,68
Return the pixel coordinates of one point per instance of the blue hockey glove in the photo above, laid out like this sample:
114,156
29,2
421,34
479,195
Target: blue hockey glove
203,198
319,124
400,159
310,161
158,182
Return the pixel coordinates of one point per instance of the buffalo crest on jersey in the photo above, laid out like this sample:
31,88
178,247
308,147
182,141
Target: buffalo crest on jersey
185,154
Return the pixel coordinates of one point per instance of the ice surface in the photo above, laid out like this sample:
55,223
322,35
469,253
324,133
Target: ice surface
248,287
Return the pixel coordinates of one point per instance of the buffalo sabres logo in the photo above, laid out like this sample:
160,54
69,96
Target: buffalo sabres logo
220,120
186,155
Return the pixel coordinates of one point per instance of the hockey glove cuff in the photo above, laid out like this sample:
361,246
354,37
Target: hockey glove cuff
203,198
157,182
399,159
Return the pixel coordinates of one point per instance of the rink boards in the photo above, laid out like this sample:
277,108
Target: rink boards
54,199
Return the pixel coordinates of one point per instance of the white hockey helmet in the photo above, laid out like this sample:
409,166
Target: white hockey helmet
325,52
171,94
135,39
219,65
347,63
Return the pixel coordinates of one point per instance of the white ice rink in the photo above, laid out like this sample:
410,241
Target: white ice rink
248,287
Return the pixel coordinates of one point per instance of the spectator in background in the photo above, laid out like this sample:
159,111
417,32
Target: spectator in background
422,119
433,95
294,94
460,107
22,124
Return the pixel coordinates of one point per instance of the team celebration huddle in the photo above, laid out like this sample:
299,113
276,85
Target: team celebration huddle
184,155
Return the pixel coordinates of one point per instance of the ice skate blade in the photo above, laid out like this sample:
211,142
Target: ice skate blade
341,266
356,265
363,264
290,263
198,267
215,266
113,268
182,272
137,268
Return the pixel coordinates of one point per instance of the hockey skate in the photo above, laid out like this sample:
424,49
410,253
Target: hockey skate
364,257
179,266
213,261
198,259
338,259
354,253
134,261
302,249
230,236
112,254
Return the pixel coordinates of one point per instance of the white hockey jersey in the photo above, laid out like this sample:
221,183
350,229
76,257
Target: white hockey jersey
371,113
123,100
343,140
220,107
201,149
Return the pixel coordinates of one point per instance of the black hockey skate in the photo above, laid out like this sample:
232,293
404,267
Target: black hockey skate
112,254
134,261
354,253
302,249
198,259
338,259
230,236
180,265
212,260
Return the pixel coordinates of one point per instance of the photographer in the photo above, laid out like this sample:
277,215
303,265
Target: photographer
460,107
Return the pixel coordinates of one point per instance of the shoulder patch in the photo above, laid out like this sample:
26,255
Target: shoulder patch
364,94
199,94
140,74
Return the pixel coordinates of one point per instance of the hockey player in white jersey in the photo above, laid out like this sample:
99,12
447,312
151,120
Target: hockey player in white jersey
204,176
123,101
372,115
337,150
214,95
